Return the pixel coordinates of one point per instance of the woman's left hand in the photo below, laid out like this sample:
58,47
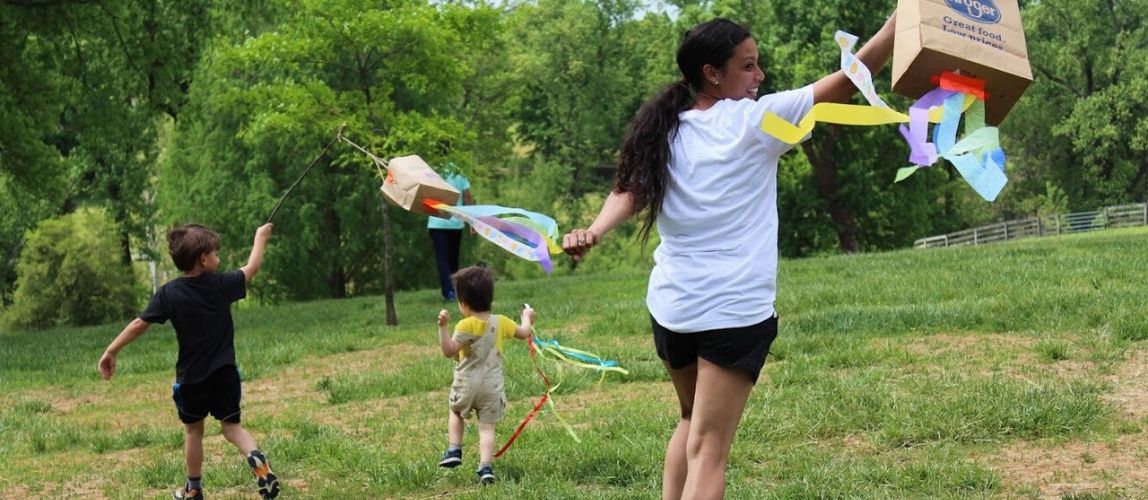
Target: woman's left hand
579,241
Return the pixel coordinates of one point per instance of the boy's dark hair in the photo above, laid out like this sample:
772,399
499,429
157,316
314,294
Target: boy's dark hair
187,242
475,287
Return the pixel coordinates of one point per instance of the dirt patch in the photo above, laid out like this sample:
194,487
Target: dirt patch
988,355
942,343
1077,468
1130,385
297,383
857,444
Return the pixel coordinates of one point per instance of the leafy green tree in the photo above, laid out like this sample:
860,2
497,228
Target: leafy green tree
32,174
70,274
393,73
82,119
578,74
1082,123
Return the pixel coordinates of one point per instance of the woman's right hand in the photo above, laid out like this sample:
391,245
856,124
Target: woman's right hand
578,242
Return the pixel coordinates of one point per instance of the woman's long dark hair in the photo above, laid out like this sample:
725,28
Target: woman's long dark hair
644,166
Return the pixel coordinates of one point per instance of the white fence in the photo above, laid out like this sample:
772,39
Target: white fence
1105,218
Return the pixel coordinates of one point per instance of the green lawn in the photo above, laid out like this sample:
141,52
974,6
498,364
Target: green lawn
1010,370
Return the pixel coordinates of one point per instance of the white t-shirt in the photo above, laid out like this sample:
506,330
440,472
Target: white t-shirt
716,266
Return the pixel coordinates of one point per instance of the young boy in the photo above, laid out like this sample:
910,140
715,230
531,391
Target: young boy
206,377
477,342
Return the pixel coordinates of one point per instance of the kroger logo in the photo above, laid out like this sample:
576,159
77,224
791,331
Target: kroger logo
984,11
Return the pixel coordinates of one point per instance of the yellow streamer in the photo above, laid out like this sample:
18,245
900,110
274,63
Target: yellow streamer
841,114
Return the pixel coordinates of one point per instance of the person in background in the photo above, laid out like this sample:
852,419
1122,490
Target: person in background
446,234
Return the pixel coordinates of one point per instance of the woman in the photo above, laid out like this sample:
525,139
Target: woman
695,161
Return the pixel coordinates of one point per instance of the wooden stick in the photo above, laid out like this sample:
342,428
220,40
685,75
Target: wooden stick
326,148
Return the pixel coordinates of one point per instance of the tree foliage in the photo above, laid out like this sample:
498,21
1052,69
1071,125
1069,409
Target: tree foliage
164,111
70,274
1083,124
394,74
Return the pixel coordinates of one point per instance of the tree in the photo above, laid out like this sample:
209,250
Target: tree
577,76
392,72
32,177
70,275
1083,123
82,118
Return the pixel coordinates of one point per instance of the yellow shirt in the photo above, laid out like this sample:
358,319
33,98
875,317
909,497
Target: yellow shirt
469,331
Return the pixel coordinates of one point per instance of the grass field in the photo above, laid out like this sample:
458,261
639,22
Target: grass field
1015,370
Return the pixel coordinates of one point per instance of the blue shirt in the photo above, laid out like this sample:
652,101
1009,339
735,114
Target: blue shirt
460,183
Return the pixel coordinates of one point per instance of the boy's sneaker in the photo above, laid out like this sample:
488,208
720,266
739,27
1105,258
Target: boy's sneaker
485,474
268,483
451,458
185,494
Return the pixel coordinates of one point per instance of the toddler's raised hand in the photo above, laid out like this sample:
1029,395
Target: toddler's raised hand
443,318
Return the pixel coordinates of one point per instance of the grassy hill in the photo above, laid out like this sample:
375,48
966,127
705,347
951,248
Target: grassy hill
1009,370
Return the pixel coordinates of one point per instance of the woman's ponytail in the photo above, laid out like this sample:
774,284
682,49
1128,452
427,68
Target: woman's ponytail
645,161
644,166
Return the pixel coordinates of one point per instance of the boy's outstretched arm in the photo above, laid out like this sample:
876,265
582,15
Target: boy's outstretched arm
450,348
523,330
129,334
255,260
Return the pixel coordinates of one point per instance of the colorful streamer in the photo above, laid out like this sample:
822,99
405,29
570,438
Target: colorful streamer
977,156
552,350
528,235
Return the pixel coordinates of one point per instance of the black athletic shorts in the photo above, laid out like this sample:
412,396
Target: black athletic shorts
743,348
217,395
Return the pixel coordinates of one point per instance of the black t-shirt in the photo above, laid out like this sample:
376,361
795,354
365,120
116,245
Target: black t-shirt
200,310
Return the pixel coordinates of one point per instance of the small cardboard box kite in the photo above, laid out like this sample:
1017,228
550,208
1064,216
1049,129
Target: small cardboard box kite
978,38
410,182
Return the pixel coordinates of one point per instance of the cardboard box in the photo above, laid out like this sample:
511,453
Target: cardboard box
978,38
410,182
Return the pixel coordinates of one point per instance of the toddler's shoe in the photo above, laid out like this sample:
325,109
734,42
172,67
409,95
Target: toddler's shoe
451,458
185,494
485,475
264,478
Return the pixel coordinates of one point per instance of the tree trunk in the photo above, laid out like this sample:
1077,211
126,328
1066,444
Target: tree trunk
388,259
337,276
126,246
825,178
388,248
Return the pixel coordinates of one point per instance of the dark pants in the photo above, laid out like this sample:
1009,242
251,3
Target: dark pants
446,245
217,395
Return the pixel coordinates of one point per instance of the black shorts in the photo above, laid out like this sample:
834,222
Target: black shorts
217,395
743,348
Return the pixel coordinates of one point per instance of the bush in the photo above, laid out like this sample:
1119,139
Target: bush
70,273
